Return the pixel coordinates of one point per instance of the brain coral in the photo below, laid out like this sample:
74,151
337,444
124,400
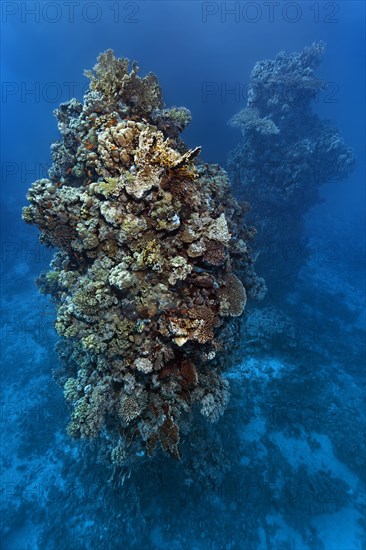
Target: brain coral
151,262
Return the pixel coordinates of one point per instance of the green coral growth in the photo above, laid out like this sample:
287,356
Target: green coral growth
109,187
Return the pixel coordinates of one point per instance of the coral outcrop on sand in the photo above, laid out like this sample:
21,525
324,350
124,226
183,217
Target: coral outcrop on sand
152,263
286,153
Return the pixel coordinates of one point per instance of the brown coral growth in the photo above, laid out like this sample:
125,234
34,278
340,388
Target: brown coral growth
232,296
144,275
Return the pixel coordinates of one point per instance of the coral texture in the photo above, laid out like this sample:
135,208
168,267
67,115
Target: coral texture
152,262
285,155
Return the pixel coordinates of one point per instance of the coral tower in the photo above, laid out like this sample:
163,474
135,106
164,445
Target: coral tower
286,154
152,263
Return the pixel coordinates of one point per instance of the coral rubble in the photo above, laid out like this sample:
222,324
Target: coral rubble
152,263
286,153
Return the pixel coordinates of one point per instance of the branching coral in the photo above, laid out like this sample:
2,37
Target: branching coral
152,261
111,78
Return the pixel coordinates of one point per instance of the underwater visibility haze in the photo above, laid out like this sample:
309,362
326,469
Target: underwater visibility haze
183,275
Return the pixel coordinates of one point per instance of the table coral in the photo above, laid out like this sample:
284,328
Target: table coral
152,260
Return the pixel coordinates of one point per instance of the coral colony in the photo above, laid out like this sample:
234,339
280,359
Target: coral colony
152,265
286,154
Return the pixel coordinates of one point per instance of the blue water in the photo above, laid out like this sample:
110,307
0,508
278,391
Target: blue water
284,468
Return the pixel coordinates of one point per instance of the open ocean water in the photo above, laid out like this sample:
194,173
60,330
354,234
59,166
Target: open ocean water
117,429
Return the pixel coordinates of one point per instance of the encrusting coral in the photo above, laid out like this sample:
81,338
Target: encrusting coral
152,262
